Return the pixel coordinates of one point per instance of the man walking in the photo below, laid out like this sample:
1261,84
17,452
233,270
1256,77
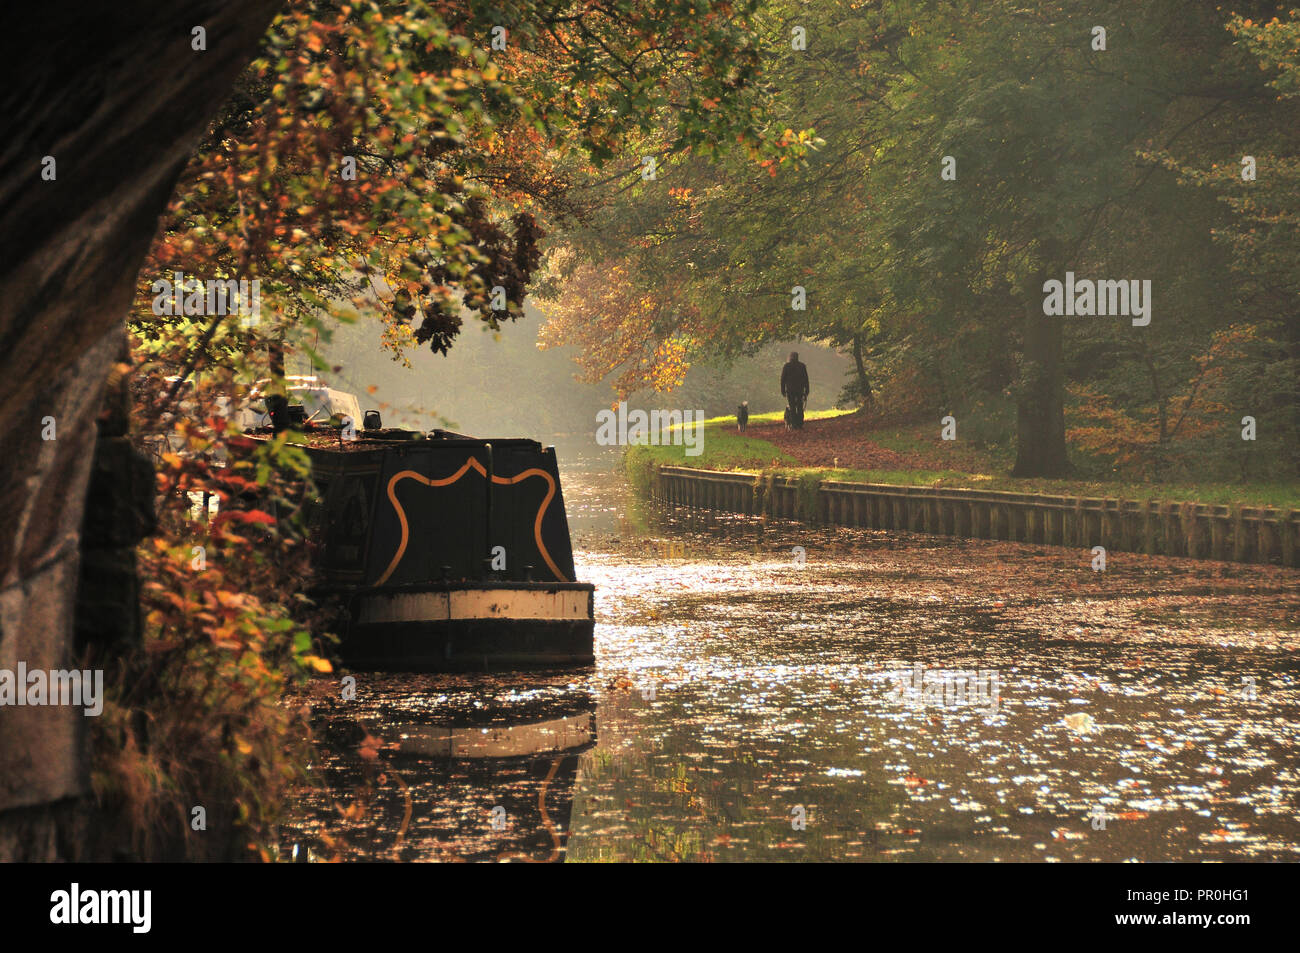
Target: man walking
794,388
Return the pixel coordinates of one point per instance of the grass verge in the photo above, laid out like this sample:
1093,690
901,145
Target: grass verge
725,449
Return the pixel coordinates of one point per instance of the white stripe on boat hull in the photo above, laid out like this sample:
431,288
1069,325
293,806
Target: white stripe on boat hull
563,604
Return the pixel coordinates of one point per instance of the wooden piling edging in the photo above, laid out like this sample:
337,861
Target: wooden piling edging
1235,533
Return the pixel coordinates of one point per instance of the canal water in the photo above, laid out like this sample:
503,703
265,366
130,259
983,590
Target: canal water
770,691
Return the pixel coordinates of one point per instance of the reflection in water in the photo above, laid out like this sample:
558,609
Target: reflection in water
753,705
421,767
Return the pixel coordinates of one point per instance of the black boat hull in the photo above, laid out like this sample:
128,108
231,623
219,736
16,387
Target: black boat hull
471,627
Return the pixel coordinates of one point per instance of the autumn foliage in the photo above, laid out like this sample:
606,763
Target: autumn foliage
384,161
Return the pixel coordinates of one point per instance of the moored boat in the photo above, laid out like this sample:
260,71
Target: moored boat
448,552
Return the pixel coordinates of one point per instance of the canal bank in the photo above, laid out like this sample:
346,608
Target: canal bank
1235,532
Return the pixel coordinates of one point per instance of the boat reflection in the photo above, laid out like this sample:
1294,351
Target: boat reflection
471,775
575,732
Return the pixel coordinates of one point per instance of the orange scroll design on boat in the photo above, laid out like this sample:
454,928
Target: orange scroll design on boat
471,463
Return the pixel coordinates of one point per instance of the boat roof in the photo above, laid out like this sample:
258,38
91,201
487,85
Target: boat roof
322,437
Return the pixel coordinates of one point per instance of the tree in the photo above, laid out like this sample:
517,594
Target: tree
397,159
973,152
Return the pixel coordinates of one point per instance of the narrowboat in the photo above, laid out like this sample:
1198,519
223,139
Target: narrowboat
447,552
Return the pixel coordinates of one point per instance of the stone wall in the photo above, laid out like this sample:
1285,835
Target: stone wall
118,96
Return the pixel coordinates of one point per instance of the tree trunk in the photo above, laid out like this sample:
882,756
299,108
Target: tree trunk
116,95
1162,402
1040,406
864,384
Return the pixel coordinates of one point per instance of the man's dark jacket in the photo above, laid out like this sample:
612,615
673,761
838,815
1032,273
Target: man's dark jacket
794,379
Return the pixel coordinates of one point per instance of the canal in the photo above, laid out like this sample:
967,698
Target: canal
779,692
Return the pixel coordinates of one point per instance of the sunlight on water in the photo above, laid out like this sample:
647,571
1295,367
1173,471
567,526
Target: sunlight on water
893,697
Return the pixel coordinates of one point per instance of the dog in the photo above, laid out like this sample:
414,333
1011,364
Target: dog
742,416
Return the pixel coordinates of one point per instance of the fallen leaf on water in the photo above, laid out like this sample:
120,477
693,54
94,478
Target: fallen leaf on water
1062,834
370,747
1081,722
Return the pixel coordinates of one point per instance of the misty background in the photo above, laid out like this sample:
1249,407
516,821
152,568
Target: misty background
501,385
